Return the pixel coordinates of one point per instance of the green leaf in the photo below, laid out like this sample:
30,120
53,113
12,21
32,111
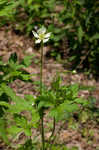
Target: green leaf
57,30
1,63
11,75
46,99
63,110
27,60
82,101
20,104
84,116
21,125
54,112
74,88
80,34
14,130
20,120
19,66
30,97
68,107
35,118
27,132
1,91
94,37
30,2
25,77
2,103
9,92
6,8
13,58
44,104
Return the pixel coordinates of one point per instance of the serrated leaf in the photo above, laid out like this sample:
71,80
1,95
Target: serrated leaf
11,75
46,98
14,130
9,92
25,77
82,101
20,120
68,107
20,104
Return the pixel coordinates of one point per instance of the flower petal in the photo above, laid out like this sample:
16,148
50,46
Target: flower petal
42,30
47,35
45,40
35,34
37,41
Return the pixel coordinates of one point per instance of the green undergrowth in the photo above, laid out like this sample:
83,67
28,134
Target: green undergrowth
23,114
73,23
27,146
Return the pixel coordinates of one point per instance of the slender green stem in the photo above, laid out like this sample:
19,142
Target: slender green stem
41,91
42,131
53,130
54,123
41,70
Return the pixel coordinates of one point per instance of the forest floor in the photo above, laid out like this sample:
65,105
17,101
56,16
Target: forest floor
70,136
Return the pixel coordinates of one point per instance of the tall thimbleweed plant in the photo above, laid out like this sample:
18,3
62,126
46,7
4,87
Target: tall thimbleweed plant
41,38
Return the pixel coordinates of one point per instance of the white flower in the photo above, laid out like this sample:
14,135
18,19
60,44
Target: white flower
74,71
33,104
34,98
41,35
